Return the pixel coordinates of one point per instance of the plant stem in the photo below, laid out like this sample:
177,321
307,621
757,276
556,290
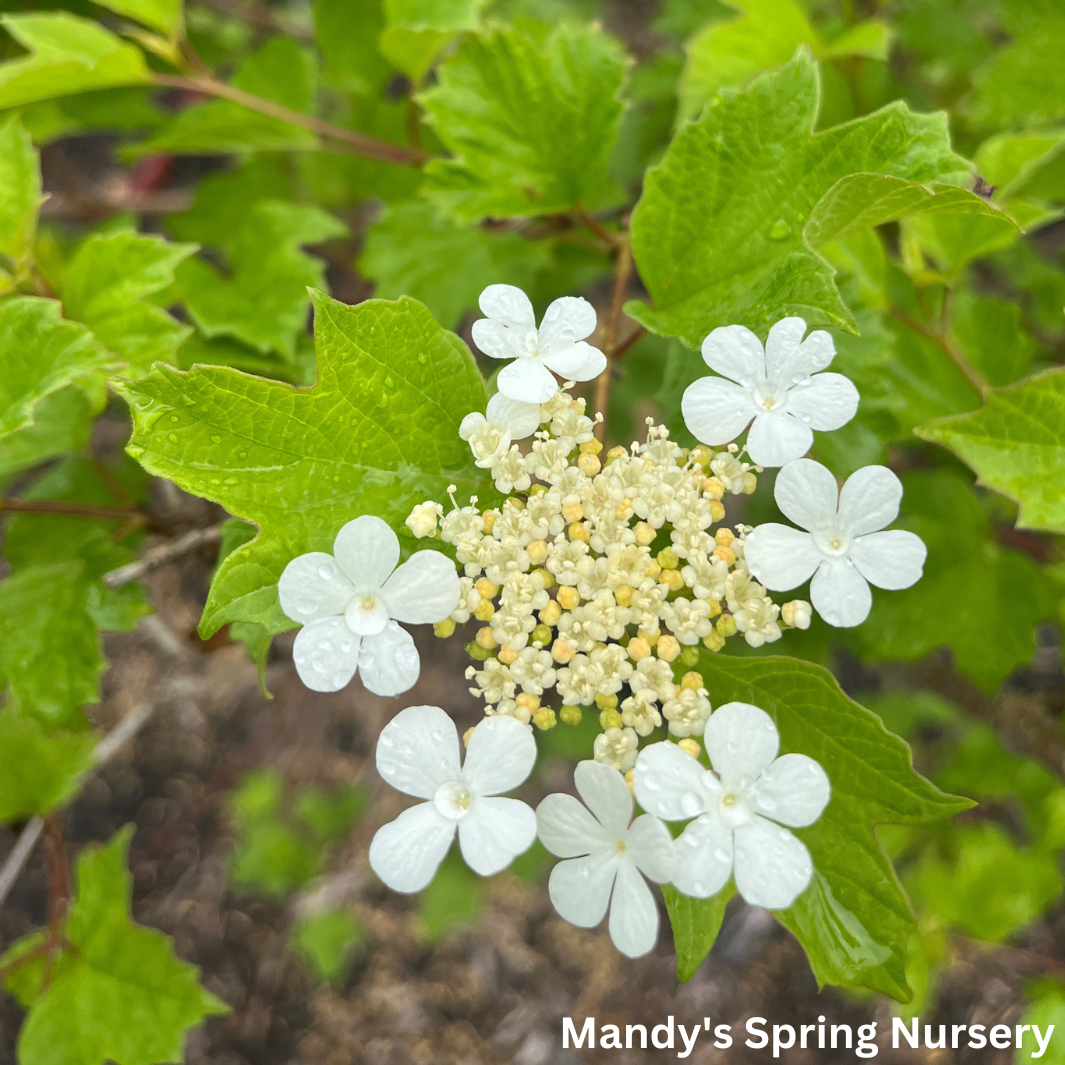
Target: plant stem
941,341
622,273
352,141
62,508
612,240
158,556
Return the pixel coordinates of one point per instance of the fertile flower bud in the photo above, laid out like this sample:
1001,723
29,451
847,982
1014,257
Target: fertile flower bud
609,718
714,642
537,551
484,610
726,625
570,715
550,613
445,628
562,652
541,635
544,718
422,519
507,655
568,597
668,648
796,614
485,639
667,558
638,648
644,533
717,510
486,589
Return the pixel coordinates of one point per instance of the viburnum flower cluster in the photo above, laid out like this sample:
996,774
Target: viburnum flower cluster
597,585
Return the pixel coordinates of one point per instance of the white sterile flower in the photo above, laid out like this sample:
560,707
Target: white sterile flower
349,604
605,858
490,434
509,332
418,754
780,388
843,549
738,807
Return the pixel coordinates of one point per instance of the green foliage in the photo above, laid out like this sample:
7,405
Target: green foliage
162,15
853,920
115,991
1015,443
530,119
20,193
710,258
1046,1009
392,389
327,942
451,901
695,923
67,55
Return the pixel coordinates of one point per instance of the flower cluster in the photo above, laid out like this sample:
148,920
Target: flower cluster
598,584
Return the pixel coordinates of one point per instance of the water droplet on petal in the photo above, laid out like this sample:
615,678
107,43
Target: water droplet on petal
722,855
691,804
327,571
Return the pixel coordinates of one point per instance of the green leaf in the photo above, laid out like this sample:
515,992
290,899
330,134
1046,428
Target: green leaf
990,334
106,285
120,994
870,39
67,55
20,191
452,900
970,571
326,942
1016,445
719,232
1046,1009
953,241
1016,162
853,920
347,36
39,771
40,354
281,71
696,923
411,251
263,302
530,120
166,16
377,434
62,422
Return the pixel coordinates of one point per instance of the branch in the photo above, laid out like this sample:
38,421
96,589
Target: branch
972,375
105,750
353,142
63,508
158,556
622,273
612,240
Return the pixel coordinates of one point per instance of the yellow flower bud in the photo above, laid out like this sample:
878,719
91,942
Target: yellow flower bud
623,509
489,520
689,656
570,715
507,655
638,648
652,638
689,746
466,737
717,510
572,512
714,641
527,701
610,719
544,718
516,502
714,487
444,628
714,607
485,639
644,533
578,532
589,465
673,579
606,702
541,635
725,554
726,625
615,453
692,680
485,588
568,597
668,648
724,537
562,652
629,780
701,456
654,570
550,613
484,610
477,652
623,595
667,558
591,447
750,483
537,489
537,551
548,576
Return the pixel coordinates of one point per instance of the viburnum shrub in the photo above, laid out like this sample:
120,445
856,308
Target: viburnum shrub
800,301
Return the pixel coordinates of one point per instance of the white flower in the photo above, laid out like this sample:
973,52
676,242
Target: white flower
418,754
490,435
423,518
606,856
616,748
842,550
349,604
780,388
735,806
509,332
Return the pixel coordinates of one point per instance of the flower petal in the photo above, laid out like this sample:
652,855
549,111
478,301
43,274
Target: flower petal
633,913
824,402
522,419
507,304
501,341
500,756
869,500
566,828
418,750
580,888
471,423
781,557
794,790
389,662
736,353
892,559
650,846
840,594
406,853
772,867
367,550
528,380
703,853
776,437
494,833
566,320
668,782
806,493
424,589
606,794
312,587
326,653
741,741
789,358
715,410
577,362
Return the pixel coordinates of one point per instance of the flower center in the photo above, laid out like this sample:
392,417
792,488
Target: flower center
769,398
532,344
832,542
366,614
453,800
734,810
